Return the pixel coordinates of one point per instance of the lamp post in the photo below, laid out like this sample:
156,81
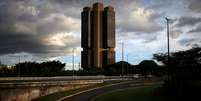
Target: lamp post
19,59
168,38
122,68
73,60
168,47
127,63
18,70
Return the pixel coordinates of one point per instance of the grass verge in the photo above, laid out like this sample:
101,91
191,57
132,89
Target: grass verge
143,93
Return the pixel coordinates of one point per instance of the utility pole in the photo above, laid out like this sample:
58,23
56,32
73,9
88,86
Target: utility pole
79,65
19,61
73,60
127,63
19,65
168,38
122,69
168,46
1,60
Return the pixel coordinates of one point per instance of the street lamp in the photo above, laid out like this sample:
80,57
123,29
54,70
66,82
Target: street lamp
122,68
19,59
127,63
73,60
168,46
168,38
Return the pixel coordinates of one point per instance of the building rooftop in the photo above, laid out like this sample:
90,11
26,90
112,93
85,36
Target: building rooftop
110,8
98,3
87,8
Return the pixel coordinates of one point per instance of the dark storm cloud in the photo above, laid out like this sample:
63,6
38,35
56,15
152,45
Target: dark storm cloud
25,24
140,20
122,13
72,7
188,21
158,4
195,30
147,37
195,5
148,40
143,37
16,43
186,41
67,7
190,42
52,27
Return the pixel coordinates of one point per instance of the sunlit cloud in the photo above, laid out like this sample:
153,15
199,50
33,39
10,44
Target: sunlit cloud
51,29
60,39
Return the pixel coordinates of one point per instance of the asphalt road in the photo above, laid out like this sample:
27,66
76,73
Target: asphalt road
88,95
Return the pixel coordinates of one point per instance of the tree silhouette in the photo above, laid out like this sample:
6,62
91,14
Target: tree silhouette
50,68
116,68
147,67
184,72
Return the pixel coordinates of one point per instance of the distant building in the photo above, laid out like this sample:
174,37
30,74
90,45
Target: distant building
98,36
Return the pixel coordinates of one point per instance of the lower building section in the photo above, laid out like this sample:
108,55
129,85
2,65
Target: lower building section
86,60
108,57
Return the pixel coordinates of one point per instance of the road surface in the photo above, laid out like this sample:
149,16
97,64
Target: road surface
88,95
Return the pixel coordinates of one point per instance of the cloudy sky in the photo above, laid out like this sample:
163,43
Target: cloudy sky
42,30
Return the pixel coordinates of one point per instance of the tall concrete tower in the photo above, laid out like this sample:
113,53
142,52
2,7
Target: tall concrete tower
98,36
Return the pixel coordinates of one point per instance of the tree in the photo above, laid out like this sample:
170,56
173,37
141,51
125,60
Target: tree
116,68
50,68
27,69
184,72
147,67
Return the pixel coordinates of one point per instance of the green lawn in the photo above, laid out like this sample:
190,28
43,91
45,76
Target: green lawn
145,93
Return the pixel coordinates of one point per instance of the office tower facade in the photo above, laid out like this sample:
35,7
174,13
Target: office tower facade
98,36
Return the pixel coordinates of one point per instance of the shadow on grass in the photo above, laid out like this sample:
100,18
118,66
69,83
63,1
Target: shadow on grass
144,93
